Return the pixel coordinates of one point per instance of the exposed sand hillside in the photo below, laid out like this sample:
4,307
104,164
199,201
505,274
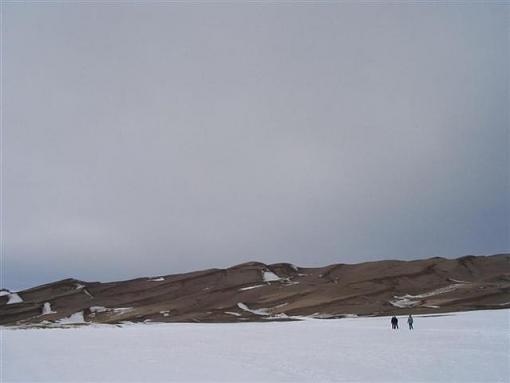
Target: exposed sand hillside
255,291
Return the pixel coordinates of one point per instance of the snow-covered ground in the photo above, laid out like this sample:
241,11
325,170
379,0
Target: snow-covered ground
465,347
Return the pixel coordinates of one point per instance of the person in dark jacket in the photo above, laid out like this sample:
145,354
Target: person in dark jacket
410,321
394,323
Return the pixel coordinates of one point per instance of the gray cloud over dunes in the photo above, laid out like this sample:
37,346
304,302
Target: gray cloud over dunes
148,139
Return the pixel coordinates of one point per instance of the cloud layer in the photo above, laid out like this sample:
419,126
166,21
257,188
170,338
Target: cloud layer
141,140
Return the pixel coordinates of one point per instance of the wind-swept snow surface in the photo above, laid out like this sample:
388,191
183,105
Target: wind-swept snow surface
462,347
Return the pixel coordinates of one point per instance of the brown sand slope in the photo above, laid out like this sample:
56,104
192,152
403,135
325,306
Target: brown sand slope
254,291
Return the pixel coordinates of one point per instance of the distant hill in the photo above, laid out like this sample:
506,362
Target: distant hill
257,292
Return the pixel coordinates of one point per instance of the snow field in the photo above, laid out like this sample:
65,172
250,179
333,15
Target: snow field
463,347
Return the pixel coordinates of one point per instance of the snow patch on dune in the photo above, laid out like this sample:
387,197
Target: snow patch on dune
114,310
404,302
75,318
121,310
262,311
11,297
97,309
232,313
408,300
266,312
14,298
251,287
83,288
46,309
160,279
269,276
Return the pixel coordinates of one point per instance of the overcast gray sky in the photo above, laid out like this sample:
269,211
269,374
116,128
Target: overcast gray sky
161,138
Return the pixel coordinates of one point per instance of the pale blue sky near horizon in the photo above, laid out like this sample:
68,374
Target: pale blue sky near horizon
146,139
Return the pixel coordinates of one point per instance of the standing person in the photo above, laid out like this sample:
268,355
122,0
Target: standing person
394,323
410,321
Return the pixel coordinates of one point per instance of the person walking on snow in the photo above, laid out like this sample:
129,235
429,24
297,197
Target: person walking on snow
394,323
410,322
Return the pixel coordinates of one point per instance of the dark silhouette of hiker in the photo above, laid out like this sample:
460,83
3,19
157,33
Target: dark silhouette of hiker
410,321
394,323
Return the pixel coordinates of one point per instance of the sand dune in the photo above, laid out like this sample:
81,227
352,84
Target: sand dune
257,292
